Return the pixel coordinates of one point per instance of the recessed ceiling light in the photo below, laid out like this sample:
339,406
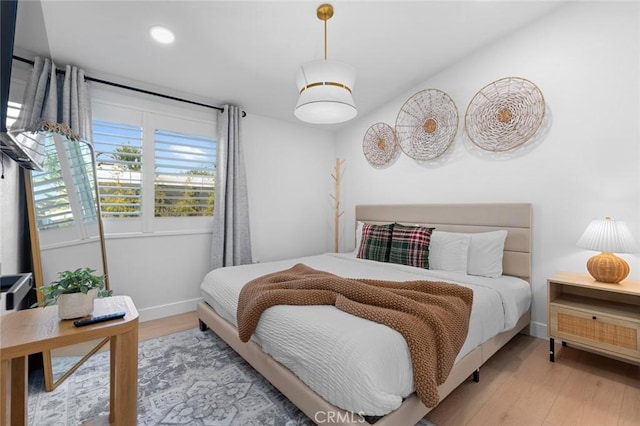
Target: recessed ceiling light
162,35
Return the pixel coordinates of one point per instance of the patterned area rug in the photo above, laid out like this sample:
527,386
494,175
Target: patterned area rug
186,378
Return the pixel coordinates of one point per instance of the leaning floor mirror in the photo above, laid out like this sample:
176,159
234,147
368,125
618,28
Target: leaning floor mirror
66,231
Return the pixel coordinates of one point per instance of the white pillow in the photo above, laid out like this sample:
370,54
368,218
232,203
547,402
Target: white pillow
485,254
359,225
448,251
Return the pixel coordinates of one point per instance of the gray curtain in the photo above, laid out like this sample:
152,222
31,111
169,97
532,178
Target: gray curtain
231,237
45,99
76,103
40,98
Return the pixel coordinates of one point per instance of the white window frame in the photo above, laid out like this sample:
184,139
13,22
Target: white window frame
104,158
150,113
167,224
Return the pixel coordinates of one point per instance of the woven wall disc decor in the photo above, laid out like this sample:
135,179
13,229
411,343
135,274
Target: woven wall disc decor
504,114
380,144
427,124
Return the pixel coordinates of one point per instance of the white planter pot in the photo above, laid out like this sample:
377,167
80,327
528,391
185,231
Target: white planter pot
76,305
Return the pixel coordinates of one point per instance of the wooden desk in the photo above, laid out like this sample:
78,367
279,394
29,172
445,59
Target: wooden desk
35,330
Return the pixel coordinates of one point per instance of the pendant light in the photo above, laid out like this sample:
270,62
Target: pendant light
325,86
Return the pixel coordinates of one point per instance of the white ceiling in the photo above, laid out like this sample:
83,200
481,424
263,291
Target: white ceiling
247,53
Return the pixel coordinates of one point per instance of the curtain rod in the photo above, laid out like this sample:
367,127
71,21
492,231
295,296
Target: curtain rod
135,89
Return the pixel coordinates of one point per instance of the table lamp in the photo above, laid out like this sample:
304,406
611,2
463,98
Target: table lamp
608,236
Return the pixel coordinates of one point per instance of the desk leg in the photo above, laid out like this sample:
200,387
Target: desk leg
19,391
112,380
13,392
5,393
124,379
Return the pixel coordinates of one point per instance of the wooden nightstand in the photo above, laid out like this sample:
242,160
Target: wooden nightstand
599,317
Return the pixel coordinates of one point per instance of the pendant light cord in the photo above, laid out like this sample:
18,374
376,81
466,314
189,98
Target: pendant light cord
324,13
325,39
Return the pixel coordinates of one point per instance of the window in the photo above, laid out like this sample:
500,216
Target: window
184,174
156,171
118,150
13,109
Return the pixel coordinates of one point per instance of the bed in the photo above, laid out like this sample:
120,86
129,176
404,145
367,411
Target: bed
319,376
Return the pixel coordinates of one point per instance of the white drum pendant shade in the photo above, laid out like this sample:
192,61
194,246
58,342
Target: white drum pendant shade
325,92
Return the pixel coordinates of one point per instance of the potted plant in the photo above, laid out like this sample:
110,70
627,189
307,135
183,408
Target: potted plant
74,291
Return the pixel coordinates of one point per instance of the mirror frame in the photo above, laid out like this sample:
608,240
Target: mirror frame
38,276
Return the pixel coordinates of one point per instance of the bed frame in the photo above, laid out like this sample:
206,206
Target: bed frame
515,218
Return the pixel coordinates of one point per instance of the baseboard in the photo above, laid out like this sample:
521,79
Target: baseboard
538,329
161,311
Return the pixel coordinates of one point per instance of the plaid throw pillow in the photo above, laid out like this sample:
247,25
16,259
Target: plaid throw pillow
376,242
410,245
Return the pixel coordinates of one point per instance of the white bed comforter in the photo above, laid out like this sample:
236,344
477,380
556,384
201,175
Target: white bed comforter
353,363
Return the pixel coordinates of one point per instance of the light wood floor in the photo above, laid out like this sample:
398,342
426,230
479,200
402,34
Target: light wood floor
168,325
519,386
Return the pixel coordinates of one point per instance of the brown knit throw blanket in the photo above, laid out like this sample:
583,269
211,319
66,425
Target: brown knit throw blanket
433,317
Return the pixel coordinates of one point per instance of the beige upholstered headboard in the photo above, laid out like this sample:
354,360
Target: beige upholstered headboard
514,218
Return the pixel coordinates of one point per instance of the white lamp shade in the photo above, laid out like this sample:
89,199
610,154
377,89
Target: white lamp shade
325,92
608,235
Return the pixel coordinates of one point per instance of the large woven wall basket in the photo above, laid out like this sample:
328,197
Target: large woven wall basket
427,124
504,114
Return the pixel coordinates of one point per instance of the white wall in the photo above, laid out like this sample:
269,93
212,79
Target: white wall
82,254
289,181
9,231
162,274
584,165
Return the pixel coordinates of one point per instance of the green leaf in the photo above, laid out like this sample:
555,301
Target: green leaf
80,280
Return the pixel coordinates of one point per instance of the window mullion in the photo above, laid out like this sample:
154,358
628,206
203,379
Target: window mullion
170,192
148,168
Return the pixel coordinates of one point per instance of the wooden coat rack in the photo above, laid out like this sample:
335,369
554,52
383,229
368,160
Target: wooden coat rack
336,199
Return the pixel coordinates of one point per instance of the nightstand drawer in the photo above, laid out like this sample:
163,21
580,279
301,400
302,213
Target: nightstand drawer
596,329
